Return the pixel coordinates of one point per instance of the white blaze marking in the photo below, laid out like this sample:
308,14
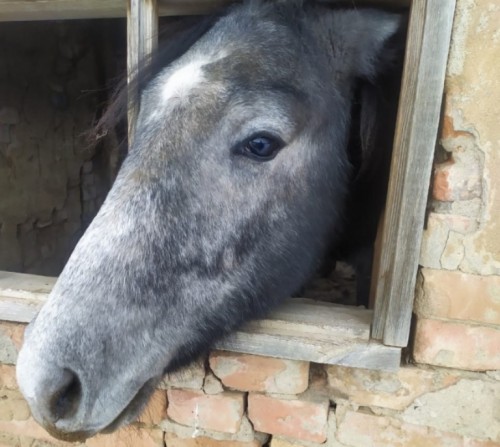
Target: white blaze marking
181,81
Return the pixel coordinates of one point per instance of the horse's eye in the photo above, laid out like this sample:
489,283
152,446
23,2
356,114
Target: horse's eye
262,147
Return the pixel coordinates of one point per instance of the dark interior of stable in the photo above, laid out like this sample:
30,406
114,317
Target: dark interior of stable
55,82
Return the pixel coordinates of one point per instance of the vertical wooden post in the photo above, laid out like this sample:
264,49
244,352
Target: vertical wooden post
142,40
429,36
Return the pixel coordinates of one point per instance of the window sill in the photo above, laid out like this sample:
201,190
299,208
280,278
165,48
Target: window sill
299,329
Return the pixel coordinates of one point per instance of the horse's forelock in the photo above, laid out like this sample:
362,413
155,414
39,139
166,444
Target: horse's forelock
149,68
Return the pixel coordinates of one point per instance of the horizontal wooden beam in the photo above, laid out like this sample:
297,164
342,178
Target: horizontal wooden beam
21,10
22,296
16,10
299,329
354,353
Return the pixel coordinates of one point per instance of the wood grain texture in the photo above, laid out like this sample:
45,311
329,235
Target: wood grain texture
16,10
21,296
142,40
317,320
356,354
415,139
299,329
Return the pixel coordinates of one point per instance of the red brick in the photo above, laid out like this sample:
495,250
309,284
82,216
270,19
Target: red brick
366,430
11,339
15,331
393,390
156,409
128,437
212,384
27,432
8,377
8,440
459,296
448,129
299,419
174,441
17,428
455,181
245,433
458,178
255,373
13,406
441,188
219,412
456,345
283,442
191,377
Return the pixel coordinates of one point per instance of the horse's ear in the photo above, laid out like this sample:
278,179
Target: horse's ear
362,40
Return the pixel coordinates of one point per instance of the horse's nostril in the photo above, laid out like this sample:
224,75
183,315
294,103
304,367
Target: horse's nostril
65,401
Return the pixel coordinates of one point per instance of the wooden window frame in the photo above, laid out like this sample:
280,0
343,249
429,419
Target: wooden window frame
304,329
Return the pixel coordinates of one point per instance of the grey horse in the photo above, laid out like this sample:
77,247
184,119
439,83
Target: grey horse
252,158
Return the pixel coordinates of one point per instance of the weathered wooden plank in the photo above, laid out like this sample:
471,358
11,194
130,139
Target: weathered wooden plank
16,10
416,132
21,296
18,310
22,285
133,58
317,319
360,354
377,253
302,317
142,40
299,329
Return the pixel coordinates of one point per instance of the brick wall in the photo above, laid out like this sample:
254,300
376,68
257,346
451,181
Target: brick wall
238,400
458,295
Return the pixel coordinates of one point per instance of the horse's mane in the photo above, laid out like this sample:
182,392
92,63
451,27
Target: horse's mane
175,40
